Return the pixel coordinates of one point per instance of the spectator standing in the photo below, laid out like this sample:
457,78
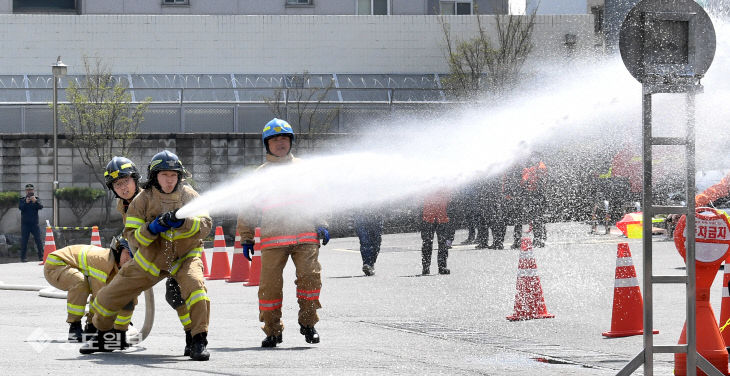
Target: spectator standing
535,201
435,219
29,207
369,228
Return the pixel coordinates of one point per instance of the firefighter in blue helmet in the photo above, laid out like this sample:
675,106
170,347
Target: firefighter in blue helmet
284,234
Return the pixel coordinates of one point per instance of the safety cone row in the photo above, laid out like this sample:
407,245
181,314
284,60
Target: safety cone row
240,266
529,301
219,266
724,324
255,272
49,246
627,318
95,238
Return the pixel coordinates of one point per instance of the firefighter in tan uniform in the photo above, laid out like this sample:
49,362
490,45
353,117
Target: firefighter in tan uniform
166,245
82,270
283,235
122,177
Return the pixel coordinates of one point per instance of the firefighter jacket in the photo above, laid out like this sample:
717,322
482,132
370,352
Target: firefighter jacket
122,207
96,263
166,250
281,225
533,177
714,192
436,207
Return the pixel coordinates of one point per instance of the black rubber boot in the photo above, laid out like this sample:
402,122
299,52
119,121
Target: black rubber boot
271,341
310,334
188,343
444,270
198,350
104,341
74,332
122,339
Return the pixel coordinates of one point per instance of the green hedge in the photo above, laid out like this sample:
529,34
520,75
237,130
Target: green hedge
81,199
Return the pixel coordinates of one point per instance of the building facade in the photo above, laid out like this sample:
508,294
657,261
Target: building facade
259,7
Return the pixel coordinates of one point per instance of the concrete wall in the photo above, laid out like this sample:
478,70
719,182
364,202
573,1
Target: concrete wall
210,158
255,44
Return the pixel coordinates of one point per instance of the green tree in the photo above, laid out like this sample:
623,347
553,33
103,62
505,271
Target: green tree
81,199
479,65
8,200
302,103
100,119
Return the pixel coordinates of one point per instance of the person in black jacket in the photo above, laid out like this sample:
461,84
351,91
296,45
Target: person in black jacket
29,207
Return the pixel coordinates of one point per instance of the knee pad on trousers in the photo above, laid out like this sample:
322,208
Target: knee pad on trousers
172,294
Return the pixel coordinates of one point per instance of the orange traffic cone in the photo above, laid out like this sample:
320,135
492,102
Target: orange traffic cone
255,275
49,246
240,265
529,302
627,318
95,238
206,273
219,268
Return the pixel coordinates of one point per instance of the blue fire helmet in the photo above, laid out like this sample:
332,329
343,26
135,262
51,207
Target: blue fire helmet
276,127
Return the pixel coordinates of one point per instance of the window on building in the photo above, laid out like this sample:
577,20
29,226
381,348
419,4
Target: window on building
175,2
62,6
299,2
373,7
455,7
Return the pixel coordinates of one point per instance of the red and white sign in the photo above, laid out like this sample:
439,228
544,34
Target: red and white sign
712,235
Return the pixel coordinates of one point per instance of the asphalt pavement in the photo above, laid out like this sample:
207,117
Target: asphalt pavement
395,322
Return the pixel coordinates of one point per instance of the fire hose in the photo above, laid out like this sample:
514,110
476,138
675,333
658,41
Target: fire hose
50,292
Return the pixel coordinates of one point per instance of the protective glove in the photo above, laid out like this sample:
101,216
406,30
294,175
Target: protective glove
324,234
247,251
170,220
124,244
157,226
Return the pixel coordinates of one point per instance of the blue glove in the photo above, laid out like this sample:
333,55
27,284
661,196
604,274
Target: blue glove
124,244
247,251
157,226
323,234
170,220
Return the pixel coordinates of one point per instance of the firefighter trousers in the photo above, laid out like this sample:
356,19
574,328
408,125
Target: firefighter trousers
309,283
71,280
132,280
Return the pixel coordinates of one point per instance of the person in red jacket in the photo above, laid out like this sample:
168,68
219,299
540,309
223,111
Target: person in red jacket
435,219
714,192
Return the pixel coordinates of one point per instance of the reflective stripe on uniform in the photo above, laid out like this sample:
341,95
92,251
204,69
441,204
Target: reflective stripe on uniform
195,297
123,320
146,265
269,305
54,260
185,319
278,241
141,238
195,252
193,229
88,270
308,294
134,222
98,308
74,309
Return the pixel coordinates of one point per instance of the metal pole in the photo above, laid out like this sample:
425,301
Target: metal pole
646,218
690,230
55,150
